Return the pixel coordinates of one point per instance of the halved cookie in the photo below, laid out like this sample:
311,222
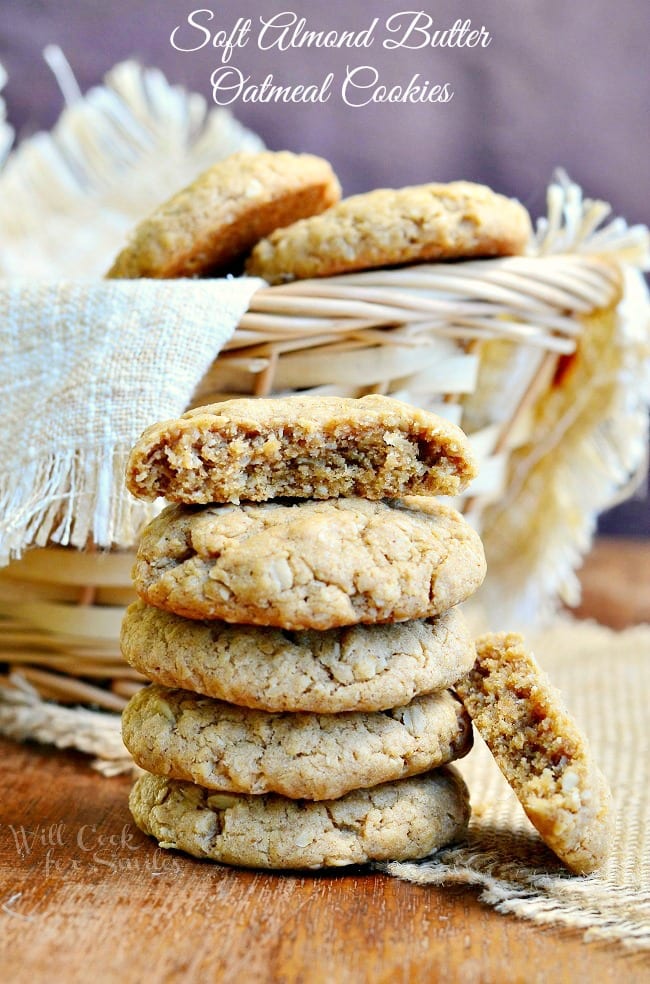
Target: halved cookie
303,447
540,750
311,565
211,225
397,821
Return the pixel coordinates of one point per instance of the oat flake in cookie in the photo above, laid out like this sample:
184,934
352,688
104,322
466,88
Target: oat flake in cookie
539,749
397,821
311,565
303,447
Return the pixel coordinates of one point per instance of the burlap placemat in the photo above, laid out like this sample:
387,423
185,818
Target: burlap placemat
605,678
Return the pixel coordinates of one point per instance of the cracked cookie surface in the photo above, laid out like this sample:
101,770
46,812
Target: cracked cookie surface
402,820
214,222
303,756
311,565
540,750
307,447
391,226
356,668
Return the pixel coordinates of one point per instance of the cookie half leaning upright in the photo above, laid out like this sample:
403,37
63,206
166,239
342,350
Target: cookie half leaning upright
540,750
212,224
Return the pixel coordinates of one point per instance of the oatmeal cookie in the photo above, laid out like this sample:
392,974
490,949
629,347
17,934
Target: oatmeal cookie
540,750
212,224
397,821
356,668
303,756
390,226
303,447
310,565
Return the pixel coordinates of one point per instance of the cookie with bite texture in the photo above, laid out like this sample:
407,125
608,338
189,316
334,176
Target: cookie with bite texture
540,750
301,447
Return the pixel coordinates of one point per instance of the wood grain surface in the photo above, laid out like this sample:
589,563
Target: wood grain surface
84,896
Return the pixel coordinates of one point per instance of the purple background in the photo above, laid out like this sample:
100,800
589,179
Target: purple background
560,84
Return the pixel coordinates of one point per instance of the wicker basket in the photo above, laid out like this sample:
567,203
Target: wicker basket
502,347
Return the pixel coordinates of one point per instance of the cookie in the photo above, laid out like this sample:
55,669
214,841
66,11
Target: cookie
539,749
390,226
302,447
303,756
311,565
358,668
212,224
401,820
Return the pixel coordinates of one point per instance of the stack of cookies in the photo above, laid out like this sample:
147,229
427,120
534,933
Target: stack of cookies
298,621
298,602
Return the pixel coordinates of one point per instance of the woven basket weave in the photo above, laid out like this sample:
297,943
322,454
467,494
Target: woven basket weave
480,342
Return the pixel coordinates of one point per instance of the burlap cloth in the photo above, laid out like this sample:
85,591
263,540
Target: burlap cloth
85,368
605,678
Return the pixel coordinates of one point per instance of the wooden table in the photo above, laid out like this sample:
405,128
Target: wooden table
85,897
